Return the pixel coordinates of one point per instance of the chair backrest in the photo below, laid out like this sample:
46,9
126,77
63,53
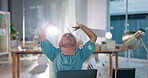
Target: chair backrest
123,73
77,74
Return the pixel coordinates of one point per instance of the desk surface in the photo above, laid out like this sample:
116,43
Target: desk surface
26,52
108,51
40,52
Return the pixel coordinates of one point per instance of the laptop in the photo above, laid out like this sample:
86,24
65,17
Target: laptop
77,74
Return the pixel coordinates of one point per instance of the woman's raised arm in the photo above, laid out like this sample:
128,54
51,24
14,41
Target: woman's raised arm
90,34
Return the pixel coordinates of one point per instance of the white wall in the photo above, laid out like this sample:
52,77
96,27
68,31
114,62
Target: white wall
81,11
97,15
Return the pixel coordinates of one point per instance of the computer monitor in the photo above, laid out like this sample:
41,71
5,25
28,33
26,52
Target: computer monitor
123,73
77,74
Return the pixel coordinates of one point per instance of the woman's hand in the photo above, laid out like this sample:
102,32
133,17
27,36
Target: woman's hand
78,26
42,33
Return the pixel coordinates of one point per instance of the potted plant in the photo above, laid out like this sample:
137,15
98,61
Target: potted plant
103,42
14,34
104,46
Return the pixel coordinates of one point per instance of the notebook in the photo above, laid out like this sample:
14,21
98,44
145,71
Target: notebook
77,74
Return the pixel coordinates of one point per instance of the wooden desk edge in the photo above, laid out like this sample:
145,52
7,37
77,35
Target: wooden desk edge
40,52
26,52
115,51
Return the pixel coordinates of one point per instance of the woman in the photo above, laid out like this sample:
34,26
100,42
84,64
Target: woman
68,56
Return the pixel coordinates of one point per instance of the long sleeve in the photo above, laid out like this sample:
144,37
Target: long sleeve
49,50
87,50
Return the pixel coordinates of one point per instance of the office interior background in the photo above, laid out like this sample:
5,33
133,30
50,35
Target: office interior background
115,16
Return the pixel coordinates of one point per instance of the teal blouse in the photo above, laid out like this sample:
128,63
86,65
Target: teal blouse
65,62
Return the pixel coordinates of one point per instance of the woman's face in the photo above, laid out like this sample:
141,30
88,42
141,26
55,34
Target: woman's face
68,40
68,44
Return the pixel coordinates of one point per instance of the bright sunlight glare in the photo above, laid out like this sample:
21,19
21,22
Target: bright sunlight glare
52,30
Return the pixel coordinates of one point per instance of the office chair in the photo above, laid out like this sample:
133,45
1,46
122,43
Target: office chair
123,73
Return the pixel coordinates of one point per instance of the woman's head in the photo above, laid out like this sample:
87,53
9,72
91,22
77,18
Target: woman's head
68,44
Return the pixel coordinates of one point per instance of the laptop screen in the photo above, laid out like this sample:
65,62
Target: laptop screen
77,74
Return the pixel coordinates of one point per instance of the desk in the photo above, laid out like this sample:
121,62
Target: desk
16,60
115,52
